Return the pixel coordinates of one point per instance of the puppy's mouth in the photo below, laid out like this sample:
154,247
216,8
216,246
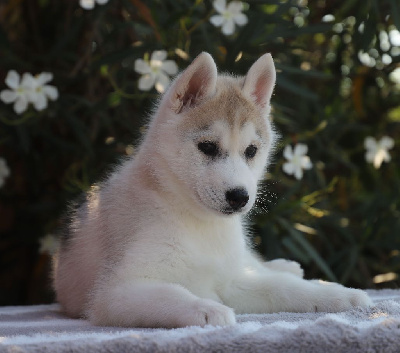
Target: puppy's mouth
214,203
226,211
229,211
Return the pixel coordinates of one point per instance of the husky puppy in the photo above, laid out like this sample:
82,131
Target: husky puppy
161,243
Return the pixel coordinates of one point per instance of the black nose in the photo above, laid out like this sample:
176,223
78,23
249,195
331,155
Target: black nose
237,198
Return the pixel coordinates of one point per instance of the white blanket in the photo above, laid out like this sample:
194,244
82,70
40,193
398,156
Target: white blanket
43,328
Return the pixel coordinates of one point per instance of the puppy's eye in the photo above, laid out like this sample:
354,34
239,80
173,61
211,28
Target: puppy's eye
208,148
250,151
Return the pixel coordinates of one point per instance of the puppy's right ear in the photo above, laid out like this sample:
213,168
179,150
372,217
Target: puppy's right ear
194,84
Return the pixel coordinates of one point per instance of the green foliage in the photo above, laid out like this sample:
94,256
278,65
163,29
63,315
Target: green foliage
341,220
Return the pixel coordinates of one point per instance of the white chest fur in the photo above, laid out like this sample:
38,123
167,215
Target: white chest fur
201,256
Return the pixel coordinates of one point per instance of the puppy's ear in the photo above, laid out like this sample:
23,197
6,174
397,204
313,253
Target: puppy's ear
194,84
260,81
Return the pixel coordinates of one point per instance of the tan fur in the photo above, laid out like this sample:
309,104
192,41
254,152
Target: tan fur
229,104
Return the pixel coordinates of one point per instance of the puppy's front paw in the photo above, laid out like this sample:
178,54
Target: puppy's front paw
208,312
360,298
339,298
285,266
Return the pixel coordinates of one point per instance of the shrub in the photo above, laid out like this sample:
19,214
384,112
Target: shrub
338,90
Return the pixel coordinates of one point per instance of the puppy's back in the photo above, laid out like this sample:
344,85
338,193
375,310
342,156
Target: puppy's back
78,258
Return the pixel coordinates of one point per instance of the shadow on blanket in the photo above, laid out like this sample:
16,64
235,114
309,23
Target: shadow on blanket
43,328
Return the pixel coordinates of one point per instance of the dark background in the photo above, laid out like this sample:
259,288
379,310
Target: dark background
340,221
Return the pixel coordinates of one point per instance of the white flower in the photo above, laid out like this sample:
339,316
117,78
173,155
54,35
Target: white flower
41,92
366,59
89,4
27,90
228,16
19,92
395,76
377,151
394,36
4,171
297,160
48,244
155,73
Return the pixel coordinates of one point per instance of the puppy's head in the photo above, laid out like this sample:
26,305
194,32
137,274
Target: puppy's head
215,134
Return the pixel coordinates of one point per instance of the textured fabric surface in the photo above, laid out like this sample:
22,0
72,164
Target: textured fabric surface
44,328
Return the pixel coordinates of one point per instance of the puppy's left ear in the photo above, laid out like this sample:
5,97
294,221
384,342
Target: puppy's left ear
260,81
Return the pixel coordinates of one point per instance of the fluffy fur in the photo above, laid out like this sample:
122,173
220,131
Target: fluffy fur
162,243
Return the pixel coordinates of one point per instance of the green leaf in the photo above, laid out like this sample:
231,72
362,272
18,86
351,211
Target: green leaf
352,257
24,138
80,131
308,73
395,13
296,32
295,88
116,56
294,249
308,248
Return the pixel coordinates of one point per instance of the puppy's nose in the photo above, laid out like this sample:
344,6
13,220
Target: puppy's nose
237,198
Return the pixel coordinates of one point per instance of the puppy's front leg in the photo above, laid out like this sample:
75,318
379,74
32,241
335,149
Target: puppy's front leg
270,291
154,304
